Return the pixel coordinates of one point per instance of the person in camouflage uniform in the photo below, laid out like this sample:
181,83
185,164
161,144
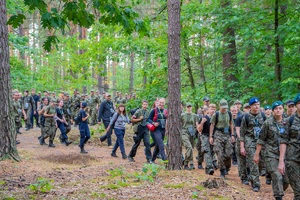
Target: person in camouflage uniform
189,122
50,123
17,112
290,108
268,111
242,162
62,123
222,141
93,105
206,147
200,156
67,111
41,110
29,106
54,97
141,132
250,130
75,105
269,137
289,160
121,99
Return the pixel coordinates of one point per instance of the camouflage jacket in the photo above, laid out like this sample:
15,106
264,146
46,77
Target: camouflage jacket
251,126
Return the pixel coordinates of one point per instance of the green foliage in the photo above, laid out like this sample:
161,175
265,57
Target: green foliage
174,186
149,172
42,185
16,20
195,195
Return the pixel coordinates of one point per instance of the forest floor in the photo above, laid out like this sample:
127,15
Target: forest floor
64,173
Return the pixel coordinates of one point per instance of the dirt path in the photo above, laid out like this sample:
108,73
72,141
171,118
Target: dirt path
66,174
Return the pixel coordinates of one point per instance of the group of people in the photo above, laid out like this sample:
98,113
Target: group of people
260,141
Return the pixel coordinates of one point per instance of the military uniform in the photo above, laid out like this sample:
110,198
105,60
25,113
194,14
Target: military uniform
17,111
67,114
93,101
50,125
222,141
292,161
250,130
270,138
29,106
75,105
188,121
42,123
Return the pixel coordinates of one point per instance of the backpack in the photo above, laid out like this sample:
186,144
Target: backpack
217,117
156,114
247,118
132,111
113,125
291,120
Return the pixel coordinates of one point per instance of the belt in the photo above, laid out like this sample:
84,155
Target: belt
220,129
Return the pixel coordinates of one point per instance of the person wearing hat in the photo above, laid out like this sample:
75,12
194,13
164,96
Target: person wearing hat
221,135
34,114
62,123
121,99
17,111
189,122
105,112
269,137
290,108
29,107
67,111
289,159
268,111
41,111
246,108
46,94
54,97
250,129
83,127
94,102
50,123
75,106
206,101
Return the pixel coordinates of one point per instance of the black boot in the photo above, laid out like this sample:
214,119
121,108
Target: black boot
82,150
223,173
67,142
278,198
124,156
42,141
51,144
18,131
27,127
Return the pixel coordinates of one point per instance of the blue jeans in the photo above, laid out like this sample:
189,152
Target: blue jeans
120,133
63,130
84,134
159,135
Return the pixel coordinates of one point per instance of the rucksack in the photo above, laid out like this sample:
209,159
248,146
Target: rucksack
132,111
247,118
291,120
217,117
156,114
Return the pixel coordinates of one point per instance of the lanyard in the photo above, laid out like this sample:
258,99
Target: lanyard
161,113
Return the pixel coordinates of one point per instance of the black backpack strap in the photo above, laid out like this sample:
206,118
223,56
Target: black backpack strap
291,120
217,118
230,116
246,116
263,116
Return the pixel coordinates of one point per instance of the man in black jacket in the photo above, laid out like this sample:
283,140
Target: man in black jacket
105,113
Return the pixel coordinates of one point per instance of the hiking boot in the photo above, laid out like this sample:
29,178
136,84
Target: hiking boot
124,156
222,175
215,165
210,172
82,150
51,144
17,142
186,167
113,154
255,189
131,159
42,141
67,142
245,182
234,163
200,166
192,166
278,198
263,172
226,171
268,181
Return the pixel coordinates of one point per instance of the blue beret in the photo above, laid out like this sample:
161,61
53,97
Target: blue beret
84,104
297,98
253,100
276,103
267,107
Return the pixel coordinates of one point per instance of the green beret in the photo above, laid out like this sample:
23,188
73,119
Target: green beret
267,107
276,103
297,98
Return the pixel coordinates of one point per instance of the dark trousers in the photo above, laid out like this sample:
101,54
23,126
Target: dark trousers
120,133
142,134
84,134
108,133
63,131
159,135
153,138
34,117
234,158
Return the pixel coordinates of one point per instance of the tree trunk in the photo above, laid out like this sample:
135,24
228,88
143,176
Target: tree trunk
201,59
114,73
7,125
145,68
229,58
174,84
131,72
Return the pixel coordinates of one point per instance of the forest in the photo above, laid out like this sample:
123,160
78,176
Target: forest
231,49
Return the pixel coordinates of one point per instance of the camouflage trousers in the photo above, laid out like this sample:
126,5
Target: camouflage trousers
279,183
49,130
293,173
94,113
242,164
200,156
28,114
250,147
188,143
223,149
207,151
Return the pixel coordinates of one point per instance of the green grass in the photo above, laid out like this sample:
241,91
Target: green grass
174,186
